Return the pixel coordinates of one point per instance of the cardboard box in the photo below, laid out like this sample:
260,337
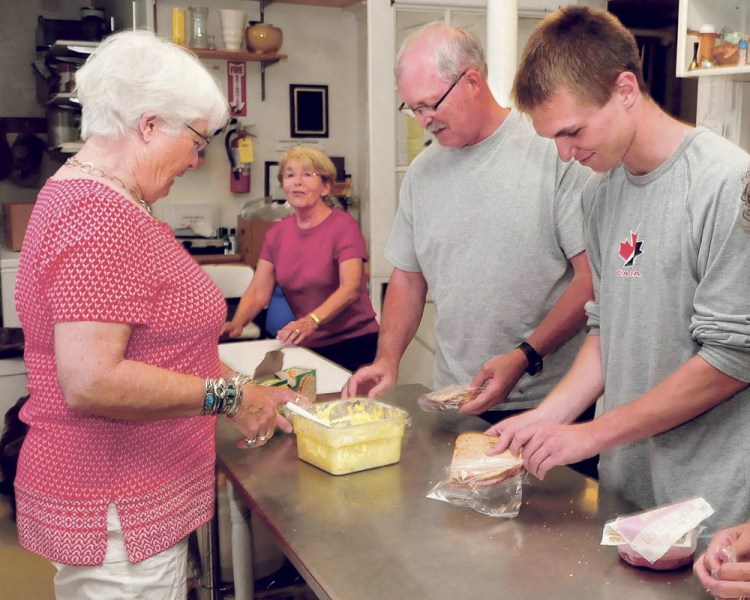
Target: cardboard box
16,216
250,234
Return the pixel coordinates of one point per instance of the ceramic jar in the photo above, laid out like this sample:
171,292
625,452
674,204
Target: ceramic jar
263,38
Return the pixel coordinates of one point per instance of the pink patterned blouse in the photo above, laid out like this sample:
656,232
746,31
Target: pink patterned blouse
92,255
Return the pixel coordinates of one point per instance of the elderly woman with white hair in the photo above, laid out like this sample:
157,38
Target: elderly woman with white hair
120,330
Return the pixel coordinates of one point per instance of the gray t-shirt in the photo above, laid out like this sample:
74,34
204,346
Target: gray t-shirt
491,227
671,268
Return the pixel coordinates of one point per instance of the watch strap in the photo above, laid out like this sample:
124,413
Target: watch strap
536,364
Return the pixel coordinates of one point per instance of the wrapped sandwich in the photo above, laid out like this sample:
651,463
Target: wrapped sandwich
451,397
472,466
488,484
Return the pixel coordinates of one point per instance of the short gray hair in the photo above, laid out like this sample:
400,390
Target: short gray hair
132,73
455,49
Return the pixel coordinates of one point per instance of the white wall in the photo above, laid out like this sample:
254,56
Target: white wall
321,47
321,44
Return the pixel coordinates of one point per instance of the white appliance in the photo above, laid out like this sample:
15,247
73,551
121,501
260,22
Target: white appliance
8,272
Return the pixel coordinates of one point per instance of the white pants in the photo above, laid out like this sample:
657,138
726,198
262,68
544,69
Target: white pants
161,577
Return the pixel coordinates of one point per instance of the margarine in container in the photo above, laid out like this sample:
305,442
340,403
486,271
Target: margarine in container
364,434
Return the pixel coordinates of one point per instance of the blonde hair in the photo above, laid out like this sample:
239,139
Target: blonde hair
309,157
581,49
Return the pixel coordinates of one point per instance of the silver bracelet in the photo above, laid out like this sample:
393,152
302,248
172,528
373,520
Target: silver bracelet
222,397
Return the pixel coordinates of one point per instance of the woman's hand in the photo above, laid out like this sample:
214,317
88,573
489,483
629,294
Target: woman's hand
259,415
294,332
232,329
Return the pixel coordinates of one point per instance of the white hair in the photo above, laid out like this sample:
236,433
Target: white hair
455,49
133,73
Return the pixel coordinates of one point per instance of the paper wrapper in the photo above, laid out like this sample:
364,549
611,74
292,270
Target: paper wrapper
653,533
300,380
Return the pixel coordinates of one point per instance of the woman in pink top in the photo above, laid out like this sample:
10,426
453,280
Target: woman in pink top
317,257
120,329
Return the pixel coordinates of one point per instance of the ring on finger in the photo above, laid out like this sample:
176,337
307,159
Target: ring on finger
297,331
250,442
262,438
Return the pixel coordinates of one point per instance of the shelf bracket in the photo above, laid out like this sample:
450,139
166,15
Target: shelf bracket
263,65
263,4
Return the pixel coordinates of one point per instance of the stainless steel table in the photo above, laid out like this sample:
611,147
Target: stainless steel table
374,534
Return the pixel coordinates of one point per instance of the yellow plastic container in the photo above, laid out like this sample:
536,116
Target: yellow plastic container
364,434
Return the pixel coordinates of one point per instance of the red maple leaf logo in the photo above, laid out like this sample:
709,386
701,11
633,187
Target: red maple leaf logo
630,249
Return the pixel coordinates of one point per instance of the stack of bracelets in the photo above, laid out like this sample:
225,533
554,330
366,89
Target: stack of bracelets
224,396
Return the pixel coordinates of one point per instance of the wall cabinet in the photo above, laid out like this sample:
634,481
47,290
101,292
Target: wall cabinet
722,15
723,100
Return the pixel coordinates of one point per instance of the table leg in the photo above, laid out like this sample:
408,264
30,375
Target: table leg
242,550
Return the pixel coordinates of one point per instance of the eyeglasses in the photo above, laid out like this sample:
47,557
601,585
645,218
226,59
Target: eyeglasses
200,146
306,175
423,110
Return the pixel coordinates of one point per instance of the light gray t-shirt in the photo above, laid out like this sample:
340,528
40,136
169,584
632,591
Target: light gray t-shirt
671,268
491,227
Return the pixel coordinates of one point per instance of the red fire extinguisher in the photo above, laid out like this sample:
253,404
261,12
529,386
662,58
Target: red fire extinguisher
238,145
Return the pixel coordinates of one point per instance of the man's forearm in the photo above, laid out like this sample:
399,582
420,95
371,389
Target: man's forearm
402,313
567,316
691,390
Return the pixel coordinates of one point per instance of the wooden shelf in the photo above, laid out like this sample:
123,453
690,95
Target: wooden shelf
324,3
238,55
263,58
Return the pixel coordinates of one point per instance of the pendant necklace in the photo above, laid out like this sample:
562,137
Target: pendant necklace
88,167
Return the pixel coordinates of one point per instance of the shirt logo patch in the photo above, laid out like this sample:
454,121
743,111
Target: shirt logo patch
629,250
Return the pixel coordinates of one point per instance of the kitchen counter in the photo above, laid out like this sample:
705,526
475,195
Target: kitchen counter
374,534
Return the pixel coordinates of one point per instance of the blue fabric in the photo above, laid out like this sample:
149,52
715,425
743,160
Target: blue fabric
279,313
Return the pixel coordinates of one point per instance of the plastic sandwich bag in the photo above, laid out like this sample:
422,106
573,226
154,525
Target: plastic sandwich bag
448,398
497,500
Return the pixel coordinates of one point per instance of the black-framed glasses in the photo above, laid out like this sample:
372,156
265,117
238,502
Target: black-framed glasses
414,111
205,139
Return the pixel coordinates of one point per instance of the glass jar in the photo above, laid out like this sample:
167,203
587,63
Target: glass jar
200,27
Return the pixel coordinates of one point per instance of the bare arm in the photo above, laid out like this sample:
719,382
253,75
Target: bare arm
402,312
256,297
577,390
350,278
564,320
691,390
96,378
567,316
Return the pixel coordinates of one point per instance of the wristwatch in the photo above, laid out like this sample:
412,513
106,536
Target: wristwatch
535,360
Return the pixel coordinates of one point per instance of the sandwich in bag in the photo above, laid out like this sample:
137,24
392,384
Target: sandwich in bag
490,485
451,398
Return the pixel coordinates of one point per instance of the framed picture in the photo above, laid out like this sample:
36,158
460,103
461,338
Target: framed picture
308,110
272,186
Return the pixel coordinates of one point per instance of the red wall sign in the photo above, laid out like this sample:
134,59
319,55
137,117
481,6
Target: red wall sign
237,88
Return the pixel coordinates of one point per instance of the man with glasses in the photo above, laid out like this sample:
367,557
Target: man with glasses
489,221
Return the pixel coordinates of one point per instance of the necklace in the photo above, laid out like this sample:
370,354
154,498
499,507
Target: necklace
88,167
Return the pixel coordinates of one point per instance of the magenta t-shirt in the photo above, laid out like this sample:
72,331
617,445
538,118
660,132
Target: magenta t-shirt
306,263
